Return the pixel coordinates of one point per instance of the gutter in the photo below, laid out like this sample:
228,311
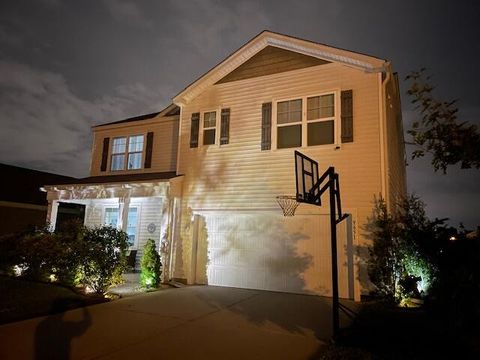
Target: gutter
382,90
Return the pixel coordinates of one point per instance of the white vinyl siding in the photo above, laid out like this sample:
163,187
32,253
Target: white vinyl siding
164,151
243,176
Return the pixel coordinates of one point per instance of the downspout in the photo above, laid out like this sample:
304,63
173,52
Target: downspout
177,165
176,215
382,89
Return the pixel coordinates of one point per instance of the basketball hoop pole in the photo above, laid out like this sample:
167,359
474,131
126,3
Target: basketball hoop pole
315,198
310,188
332,177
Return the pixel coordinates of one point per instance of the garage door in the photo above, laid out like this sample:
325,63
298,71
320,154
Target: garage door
270,252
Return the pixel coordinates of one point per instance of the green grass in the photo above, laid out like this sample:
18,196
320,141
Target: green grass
21,299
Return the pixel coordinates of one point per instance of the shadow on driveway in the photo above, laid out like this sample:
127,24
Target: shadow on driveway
54,334
295,313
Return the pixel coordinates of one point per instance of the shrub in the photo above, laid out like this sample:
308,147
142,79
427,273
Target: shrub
150,266
8,254
103,258
70,251
74,255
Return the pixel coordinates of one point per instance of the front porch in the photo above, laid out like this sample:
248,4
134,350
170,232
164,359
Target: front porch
143,209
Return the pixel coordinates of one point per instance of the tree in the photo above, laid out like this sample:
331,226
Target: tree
438,130
405,251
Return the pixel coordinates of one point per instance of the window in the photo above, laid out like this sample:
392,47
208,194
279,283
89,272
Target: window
129,157
209,126
320,120
118,153
135,149
314,126
289,122
132,226
111,219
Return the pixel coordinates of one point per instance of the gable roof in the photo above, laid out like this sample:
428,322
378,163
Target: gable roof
356,60
121,178
170,110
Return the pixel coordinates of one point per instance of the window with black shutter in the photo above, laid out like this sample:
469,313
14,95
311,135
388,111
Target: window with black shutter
106,142
148,151
194,130
347,116
225,126
266,126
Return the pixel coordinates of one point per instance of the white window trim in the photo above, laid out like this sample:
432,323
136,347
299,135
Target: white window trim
126,153
116,206
217,127
304,122
135,243
104,212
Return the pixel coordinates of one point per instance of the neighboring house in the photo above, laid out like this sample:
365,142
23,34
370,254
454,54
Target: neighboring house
201,177
22,205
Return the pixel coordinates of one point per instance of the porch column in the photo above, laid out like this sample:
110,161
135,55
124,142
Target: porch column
123,206
176,250
52,211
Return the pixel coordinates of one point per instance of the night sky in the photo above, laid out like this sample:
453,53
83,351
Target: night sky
67,65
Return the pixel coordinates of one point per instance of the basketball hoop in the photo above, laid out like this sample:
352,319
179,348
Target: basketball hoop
288,204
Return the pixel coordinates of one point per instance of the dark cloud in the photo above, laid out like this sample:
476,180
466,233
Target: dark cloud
127,12
68,64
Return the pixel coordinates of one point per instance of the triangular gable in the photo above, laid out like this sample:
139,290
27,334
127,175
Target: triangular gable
269,39
271,60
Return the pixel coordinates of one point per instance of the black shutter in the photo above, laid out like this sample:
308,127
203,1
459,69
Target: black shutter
103,166
266,126
347,116
148,151
194,130
225,127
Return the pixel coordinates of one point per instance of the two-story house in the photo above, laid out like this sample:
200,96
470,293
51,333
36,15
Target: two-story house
202,176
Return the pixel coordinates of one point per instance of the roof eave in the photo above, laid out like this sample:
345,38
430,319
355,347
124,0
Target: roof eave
359,61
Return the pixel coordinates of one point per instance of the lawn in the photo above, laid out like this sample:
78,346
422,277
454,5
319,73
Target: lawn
21,299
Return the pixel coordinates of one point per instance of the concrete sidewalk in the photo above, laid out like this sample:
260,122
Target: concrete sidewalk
198,322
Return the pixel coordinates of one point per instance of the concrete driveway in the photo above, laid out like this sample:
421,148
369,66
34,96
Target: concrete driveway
198,322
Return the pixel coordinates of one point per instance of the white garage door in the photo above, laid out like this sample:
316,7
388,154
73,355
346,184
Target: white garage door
270,252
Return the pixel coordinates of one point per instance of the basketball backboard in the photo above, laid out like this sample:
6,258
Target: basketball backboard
306,171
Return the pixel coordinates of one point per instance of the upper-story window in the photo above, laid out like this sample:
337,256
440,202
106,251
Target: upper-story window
321,120
209,127
306,121
127,153
289,122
